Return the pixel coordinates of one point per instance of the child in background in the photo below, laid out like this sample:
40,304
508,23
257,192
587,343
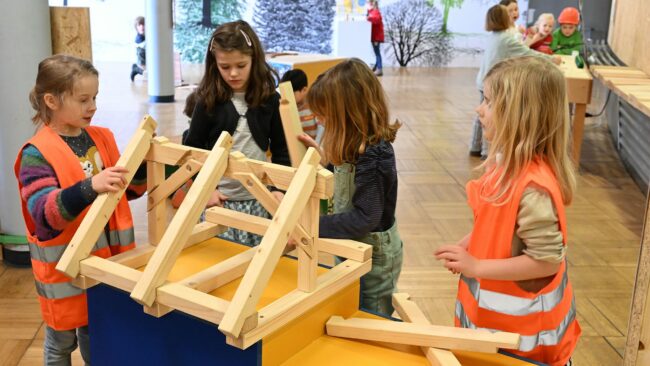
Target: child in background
539,37
237,95
60,172
138,69
190,104
518,268
567,39
358,138
517,31
500,46
299,82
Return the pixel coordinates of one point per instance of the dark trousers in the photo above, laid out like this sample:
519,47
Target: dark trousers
376,47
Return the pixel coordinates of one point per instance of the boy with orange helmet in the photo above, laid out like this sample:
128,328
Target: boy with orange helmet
568,38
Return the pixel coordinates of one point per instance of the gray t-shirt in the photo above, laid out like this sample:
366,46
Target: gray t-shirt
243,142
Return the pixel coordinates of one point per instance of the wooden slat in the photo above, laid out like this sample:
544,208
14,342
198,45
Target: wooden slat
345,248
175,181
203,306
291,123
308,247
410,312
157,213
272,245
181,225
421,335
277,314
221,273
238,220
102,208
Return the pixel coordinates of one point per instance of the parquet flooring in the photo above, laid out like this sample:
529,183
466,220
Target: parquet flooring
437,108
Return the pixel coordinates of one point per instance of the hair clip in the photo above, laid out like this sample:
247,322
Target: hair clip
248,40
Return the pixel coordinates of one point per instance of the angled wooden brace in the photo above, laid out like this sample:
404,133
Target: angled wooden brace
270,249
379,330
255,186
175,181
410,312
291,123
180,227
102,208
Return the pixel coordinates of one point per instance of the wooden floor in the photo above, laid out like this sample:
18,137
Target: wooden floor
437,108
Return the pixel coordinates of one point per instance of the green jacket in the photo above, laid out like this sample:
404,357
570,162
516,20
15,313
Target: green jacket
562,45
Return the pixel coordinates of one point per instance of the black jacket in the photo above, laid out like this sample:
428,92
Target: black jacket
264,123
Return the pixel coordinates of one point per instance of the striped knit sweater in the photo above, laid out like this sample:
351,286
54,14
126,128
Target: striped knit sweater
53,208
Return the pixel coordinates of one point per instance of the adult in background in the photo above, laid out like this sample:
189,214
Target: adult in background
376,34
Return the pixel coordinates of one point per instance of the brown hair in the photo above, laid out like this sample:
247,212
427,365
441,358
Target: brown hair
352,101
190,103
497,19
138,20
236,36
531,120
507,2
56,75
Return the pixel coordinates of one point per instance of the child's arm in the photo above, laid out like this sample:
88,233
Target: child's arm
51,207
368,201
138,185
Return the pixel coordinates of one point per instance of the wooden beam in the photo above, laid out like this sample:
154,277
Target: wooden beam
181,225
175,181
270,174
421,335
291,123
272,246
308,247
346,248
410,312
292,305
157,214
238,220
102,208
637,346
220,273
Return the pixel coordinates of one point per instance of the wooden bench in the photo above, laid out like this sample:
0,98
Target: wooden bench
629,83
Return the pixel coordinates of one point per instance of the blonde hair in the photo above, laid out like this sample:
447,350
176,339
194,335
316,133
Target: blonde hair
353,103
56,75
530,114
541,18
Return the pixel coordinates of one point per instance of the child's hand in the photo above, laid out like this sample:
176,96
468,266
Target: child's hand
109,180
216,199
458,260
308,141
557,60
278,195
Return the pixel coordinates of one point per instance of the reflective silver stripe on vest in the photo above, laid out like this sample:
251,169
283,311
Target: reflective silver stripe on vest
549,337
122,237
57,290
52,254
513,305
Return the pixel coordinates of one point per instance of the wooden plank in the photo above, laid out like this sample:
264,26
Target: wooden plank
181,225
70,28
292,305
308,247
577,131
410,312
270,249
270,174
190,301
345,248
638,330
110,273
238,220
291,123
101,209
175,181
421,335
157,214
221,273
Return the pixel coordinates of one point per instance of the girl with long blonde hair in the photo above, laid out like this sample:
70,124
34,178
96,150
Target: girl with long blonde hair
350,102
513,263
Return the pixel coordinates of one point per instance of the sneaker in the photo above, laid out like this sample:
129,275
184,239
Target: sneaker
379,72
374,67
475,153
135,70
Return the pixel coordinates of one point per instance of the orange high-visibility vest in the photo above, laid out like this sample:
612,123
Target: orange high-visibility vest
63,305
546,319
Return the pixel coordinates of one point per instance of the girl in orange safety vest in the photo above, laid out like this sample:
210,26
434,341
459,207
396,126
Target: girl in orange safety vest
513,269
60,172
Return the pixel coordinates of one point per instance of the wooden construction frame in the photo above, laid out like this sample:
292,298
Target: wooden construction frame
291,123
637,350
296,216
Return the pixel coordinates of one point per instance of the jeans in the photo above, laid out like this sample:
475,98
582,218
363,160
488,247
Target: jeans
376,47
478,142
59,344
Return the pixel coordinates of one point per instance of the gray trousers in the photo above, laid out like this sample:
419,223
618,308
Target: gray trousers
478,142
59,344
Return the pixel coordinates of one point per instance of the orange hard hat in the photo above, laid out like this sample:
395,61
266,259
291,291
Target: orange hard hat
569,15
